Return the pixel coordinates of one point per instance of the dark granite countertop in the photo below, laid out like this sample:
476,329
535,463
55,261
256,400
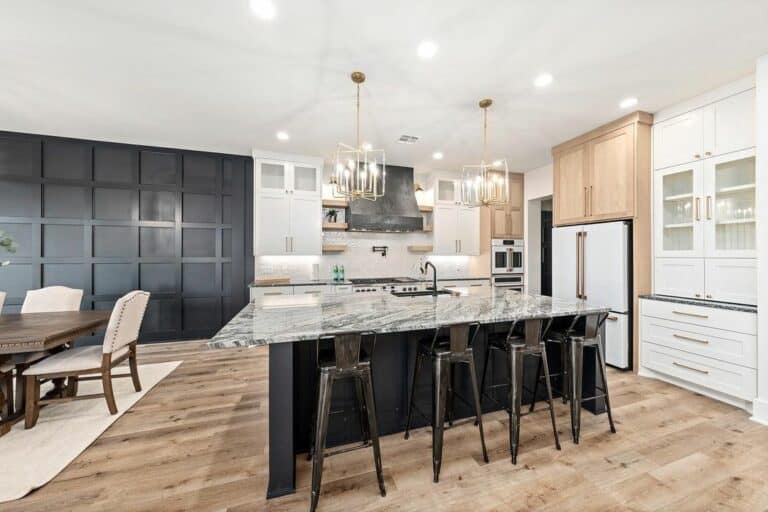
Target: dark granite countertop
288,318
704,303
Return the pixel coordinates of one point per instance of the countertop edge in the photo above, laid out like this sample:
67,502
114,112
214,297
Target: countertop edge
744,308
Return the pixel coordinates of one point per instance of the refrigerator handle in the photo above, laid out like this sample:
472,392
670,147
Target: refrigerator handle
583,258
578,264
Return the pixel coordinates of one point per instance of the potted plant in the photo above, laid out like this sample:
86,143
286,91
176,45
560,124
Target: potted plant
332,215
6,245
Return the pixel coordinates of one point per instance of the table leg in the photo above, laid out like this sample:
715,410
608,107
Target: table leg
282,460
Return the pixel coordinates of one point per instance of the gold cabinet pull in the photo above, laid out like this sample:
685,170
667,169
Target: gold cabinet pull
680,365
709,207
687,338
585,201
613,318
578,264
685,313
698,208
590,201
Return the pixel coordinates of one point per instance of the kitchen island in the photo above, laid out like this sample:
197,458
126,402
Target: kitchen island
289,326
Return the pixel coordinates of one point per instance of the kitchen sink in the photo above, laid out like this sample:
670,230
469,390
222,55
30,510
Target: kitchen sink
420,293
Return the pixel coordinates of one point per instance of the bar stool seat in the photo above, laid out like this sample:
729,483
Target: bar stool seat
445,351
347,360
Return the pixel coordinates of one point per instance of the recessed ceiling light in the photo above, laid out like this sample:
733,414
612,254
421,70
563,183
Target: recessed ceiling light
367,146
628,102
263,9
497,163
427,49
543,80
282,135
437,155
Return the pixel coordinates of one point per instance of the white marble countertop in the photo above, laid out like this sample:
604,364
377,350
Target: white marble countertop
288,318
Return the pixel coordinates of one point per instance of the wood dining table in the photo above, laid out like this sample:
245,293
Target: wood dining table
36,332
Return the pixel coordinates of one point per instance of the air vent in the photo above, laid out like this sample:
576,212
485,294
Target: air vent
407,139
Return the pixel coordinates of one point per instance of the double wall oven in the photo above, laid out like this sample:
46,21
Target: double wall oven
507,263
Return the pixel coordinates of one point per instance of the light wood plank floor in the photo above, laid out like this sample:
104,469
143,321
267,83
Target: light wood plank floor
198,442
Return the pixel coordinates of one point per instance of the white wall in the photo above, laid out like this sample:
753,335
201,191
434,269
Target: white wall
760,405
538,185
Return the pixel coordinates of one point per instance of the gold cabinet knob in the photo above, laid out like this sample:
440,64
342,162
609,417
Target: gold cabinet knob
697,155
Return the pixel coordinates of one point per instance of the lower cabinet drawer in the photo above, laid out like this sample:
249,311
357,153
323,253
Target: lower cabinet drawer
726,378
728,346
738,321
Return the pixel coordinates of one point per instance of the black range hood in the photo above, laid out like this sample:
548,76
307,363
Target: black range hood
395,212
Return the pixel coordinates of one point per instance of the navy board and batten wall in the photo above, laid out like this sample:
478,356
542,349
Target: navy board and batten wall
109,218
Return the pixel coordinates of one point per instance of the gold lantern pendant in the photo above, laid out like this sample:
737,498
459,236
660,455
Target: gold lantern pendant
486,184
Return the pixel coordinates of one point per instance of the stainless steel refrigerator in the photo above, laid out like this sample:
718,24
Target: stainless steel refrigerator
593,262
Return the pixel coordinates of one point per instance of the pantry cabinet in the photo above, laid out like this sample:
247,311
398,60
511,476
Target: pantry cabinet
596,175
456,227
287,208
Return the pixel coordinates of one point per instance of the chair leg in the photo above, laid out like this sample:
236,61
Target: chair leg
449,402
21,386
72,385
486,358
515,399
32,406
416,368
441,370
545,364
601,363
536,386
575,369
315,403
321,430
109,395
364,426
367,386
565,373
132,363
478,408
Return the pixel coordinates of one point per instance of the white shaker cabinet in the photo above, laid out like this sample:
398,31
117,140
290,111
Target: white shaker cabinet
678,140
680,277
456,227
288,208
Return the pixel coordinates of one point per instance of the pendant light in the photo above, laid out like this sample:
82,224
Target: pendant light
487,183
360,171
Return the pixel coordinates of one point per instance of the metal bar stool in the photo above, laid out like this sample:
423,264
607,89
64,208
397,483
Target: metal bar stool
445,351
584,331
515,347
345,362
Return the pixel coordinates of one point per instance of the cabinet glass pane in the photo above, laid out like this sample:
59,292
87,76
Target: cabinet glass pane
734,208
445,190
304,178
678,211
272,176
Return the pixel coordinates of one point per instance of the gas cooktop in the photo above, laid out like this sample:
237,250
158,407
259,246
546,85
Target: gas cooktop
382,280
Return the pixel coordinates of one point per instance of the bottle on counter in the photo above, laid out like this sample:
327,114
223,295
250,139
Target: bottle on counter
335,276
341,274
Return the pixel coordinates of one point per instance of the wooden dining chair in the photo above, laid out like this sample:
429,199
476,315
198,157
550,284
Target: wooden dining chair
92,362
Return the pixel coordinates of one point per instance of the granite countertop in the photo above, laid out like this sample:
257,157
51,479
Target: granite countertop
703,303
280,319
323,282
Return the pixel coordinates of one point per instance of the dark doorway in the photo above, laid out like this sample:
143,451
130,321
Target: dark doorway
546,252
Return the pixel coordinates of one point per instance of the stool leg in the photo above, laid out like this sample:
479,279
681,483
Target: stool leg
565,373
575,369
321,430
314,418
441,370
449,402
535,386
486,357
515,399
364,425
416,368
478,409
601,363
545,364
366,383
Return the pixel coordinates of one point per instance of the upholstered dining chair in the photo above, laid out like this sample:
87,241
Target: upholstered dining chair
92,362
2,301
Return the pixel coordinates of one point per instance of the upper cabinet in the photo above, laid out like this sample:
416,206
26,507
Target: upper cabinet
456,227
507,220
595,175
715,129
288,208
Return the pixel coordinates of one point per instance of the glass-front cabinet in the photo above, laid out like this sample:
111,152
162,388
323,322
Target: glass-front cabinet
730,208
679,227
289,178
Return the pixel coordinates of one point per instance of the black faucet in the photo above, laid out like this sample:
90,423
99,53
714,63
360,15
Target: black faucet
434,275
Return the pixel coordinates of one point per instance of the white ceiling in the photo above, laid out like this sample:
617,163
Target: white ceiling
206,74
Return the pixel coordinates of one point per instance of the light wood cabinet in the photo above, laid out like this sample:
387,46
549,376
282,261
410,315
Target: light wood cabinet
596,175
507,220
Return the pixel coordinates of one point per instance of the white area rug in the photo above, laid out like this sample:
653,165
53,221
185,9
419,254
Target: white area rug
31,458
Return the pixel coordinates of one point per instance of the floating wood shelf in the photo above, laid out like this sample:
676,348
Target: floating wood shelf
427,229
420,248
335,203
335,226
425,208
334,247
